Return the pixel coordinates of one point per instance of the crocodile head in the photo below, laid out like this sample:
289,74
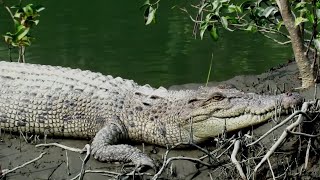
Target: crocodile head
214,110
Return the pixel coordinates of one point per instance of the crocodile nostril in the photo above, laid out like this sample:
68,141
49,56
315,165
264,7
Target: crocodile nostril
289,94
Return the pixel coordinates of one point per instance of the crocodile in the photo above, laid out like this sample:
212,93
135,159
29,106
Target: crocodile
66,102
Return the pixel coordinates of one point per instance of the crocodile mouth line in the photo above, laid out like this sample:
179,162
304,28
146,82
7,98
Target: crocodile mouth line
276,112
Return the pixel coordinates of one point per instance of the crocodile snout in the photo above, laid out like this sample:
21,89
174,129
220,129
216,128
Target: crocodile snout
291,100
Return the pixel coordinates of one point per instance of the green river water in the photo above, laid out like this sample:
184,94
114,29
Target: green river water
110,37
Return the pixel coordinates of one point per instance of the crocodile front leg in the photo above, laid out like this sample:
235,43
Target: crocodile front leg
103,147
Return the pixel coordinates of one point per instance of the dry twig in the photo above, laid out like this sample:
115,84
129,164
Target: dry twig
7,171
63,147
84,161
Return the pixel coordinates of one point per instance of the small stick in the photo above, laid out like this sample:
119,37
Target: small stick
303,134
165,164
20,143
218,149
98,171
21,134
235,161
7,171
270,166
143,147
306,159
85,160
68,168
49,177
226,150
315,91
45,136
210,176
63,147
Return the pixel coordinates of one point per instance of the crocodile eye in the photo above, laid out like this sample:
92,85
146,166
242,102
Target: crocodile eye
214,98
217,97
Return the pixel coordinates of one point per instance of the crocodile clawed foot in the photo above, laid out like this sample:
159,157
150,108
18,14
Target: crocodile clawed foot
144,164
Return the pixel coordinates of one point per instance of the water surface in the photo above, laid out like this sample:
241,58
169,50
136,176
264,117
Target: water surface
110,37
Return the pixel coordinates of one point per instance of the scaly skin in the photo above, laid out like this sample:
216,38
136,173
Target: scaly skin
73,103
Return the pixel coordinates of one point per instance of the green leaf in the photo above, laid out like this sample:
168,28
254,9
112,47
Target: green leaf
300,5
151,15
14,44
251,28
279,24
16,23
25,41
259,11
28,10
213,32
300,20
245,5
316,43
39,8
36,22
318,13
145,4
233,8
224,22
17,14
22,31
310,17
215,5
8,39
271,9
232,19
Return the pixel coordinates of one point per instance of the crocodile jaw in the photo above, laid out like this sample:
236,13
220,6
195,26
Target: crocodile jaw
214,126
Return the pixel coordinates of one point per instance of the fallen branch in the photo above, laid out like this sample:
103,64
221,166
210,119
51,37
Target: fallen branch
98,171
7,171
63,147
270,166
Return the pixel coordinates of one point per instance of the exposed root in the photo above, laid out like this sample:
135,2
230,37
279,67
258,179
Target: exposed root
235,161
279,125
283,136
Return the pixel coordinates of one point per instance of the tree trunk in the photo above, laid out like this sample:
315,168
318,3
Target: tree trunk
303,63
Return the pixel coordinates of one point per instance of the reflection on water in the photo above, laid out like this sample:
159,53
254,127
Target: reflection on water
110,37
